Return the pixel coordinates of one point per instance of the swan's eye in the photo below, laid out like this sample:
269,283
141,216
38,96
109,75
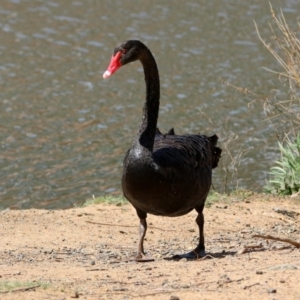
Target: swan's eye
123,51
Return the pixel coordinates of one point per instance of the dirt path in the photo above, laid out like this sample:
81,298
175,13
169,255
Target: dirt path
84,252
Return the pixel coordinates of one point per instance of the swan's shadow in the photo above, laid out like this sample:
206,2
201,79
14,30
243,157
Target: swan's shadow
219,255
209,255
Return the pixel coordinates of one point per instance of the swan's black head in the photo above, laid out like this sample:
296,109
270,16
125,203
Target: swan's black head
125,53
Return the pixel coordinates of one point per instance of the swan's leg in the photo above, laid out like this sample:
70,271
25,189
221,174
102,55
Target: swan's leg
141,256
199,251
143,230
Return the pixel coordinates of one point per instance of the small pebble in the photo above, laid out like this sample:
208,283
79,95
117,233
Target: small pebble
259,272
272,291
174,298
75,295
93,262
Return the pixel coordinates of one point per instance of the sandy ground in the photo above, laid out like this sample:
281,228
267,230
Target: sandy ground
85,253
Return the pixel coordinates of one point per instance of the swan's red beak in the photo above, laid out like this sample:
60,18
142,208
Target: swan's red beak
114,65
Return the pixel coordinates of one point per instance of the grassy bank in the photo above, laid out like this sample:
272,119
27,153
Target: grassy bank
213,197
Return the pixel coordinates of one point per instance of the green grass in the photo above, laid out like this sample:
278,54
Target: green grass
116,200
234,196
285,175
9,286
213,197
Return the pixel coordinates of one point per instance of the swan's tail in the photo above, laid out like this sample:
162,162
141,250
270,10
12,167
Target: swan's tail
216,152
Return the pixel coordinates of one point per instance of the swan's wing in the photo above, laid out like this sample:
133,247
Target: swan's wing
186,151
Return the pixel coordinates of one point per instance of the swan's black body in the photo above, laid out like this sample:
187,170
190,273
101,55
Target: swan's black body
164,174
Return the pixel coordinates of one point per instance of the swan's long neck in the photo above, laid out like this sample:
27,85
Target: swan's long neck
147,128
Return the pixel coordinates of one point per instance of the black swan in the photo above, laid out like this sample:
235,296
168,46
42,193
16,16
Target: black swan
164,174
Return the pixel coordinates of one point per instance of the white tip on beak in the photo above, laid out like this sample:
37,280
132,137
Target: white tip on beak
106,74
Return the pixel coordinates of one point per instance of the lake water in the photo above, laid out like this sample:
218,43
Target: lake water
64,130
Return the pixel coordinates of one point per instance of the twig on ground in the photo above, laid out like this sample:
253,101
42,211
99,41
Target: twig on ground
251,285
283,248
122,225
246,248
21,289
270,237
162,291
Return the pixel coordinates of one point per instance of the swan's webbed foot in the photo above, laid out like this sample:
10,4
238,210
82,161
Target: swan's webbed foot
195,254
143,258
